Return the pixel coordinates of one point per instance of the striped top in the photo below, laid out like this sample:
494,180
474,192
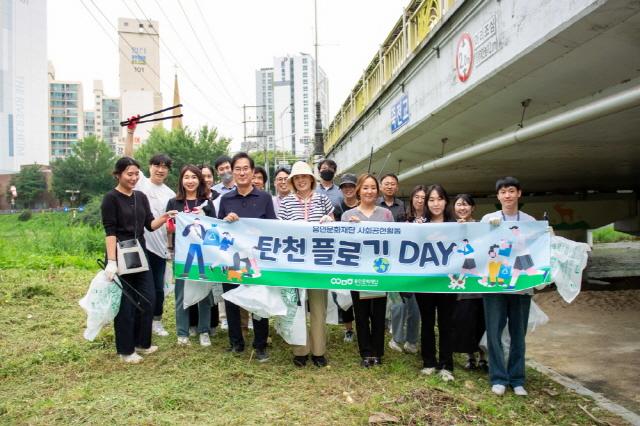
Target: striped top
311,210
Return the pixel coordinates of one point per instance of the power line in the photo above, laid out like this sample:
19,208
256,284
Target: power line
195,85
207,55
215,44
185,45
123,54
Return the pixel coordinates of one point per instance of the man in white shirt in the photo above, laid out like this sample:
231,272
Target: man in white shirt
158,194
502,307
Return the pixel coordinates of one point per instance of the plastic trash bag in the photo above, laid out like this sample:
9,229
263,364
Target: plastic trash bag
169,280
337,299
195,291
263,301
216,290
537,317
568,260
293,325
101,303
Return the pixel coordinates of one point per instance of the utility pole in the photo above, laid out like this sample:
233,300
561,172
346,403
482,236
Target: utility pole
319,139
258,135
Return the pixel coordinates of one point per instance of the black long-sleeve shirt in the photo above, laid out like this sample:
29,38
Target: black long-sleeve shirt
187,206
118,215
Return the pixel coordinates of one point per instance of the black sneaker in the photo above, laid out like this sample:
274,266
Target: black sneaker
300,361
319,361
262,355
235,349
376,360
348,336
483,366
366,362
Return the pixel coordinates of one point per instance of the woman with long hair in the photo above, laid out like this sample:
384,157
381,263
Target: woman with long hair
468,317
441,303
125,215
369,307
405,314
192,197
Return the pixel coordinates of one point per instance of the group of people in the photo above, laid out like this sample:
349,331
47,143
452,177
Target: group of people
142,208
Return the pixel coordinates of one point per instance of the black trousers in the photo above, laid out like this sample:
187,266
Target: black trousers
193,316
370,318
260,328
158,265
444,305
132,327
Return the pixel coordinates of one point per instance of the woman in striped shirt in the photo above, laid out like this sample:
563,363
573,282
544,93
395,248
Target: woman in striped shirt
305,204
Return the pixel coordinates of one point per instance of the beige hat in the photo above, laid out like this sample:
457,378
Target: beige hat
301,168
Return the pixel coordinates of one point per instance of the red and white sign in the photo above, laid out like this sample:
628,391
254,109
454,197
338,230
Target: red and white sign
464,57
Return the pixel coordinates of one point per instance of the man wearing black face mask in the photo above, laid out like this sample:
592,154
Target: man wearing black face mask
327,169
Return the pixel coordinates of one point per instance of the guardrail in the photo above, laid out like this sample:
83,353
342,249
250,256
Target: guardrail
410,30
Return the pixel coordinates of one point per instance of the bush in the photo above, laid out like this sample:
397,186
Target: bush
24,216
92,215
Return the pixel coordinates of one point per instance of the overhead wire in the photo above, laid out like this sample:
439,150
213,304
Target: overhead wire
215,44
195,85
204,50
123,54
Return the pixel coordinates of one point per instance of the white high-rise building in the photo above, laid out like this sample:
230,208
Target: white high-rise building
291,103
139,72
107,117
263,112
23,84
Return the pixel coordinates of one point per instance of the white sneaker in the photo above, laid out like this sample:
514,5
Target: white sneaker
395,346
133,358
146,351
158,329
520,391
212,332
446,375
427,371
498,389
184,341
193,332
204,339
410,348
224,325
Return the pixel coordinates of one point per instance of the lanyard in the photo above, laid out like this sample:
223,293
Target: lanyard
504,218
305,203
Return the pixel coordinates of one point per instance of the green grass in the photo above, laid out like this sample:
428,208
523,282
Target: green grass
607,234
50,375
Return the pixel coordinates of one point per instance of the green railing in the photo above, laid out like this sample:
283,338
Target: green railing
410,30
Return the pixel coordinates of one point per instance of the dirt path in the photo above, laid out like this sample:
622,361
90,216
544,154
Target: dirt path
595,340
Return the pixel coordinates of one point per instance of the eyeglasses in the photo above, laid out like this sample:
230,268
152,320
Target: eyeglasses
242,169
281,179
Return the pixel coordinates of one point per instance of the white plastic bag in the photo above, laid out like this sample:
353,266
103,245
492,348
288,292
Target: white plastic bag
169,280
337,299
568,260
216,290
195,291
101,303
293,325
263,301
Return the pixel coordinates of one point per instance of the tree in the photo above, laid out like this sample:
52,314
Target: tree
183,147
88,170
281,157
30,185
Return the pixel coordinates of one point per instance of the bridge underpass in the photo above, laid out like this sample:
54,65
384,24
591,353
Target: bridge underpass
545,91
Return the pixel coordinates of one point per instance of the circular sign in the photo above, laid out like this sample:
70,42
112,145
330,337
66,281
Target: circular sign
464,57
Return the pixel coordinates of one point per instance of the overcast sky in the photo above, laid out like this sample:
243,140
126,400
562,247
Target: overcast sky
248,34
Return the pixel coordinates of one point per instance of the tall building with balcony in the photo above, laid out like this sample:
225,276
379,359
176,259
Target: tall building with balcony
107,117
23,84
66,120
89,123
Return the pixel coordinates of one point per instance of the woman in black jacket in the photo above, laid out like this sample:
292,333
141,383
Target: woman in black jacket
125,214
192,197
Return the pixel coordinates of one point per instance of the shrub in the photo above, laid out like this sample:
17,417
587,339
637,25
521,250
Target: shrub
25,215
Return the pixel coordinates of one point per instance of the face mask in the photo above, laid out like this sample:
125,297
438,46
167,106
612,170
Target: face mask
226,177
327,174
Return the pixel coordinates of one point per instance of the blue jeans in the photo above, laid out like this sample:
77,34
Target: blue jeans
194,250
182,315
498,308
405,312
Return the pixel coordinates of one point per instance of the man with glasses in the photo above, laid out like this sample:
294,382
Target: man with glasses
282,187
246,201
389,184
